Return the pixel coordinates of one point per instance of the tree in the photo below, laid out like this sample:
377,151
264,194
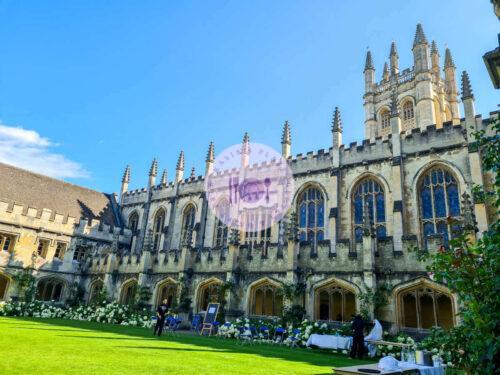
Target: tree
471,270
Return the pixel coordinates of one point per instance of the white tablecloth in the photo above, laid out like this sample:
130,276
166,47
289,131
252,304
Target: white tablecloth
330,341
424,370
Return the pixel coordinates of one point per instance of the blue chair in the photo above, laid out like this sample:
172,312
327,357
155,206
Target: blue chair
279,335
294,337
264,332
196,323
215,328
244,336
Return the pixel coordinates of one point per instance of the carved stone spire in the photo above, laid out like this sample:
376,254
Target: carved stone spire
153,171
385,72
126,175
180,162
394,58
245,148
434,49
394,51
468,216
448,60
419,36
193,174
369,61
210,153
286,137
164,177
466,87
336,121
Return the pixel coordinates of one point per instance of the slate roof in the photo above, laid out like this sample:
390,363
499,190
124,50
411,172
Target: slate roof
38,191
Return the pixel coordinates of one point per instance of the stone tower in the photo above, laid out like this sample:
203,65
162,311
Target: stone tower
423,97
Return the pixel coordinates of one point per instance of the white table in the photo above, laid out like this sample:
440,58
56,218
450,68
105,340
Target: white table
424,370
330,341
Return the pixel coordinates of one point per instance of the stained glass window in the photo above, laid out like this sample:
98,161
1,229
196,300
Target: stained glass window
439,200
311,208
188,225
369,191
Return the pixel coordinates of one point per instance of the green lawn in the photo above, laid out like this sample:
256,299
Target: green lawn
50,346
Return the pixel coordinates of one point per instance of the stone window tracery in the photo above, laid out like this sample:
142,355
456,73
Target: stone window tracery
4,284
334,303
158,224
128,294
368,191
408,114
266,300
208,293
188,225
311,209
385,122
166,291
49,290
221,229
439,201
6,242
423,307
95,290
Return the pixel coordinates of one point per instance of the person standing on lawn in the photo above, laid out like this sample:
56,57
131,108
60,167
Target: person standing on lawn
358,339
161,313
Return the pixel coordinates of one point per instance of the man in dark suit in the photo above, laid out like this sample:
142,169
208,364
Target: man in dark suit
161,313
358,343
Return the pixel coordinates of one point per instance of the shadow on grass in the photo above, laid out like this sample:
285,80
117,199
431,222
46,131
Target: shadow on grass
101,337
171,349
310,356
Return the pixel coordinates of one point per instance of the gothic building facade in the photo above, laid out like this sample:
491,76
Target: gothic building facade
359,211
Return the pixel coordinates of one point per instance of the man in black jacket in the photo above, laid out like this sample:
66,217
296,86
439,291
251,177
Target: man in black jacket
161,313
358,342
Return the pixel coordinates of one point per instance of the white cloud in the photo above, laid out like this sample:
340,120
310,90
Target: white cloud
27,149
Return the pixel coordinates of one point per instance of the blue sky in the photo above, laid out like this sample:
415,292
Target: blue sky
87,87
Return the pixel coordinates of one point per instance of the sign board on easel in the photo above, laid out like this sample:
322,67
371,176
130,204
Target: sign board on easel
210,316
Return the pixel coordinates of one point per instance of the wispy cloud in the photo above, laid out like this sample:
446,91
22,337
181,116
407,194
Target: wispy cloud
29,150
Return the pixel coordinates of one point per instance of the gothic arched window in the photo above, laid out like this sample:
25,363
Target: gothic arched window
266,300
423,307
133,222
221,219
49,290
208,293
128,294
311,208
158,224
95,290
439,200
4,285
166,291
188,225
385,121
408,115
369,192
334,302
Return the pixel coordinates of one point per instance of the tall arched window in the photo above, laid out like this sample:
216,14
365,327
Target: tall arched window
158,224
408,115
133,222
128,294
4,285
166,291
221,228
385,122
439,200
424,307
334,302
49,290
368,191
266,299
311,208
208,293
95,290
188,225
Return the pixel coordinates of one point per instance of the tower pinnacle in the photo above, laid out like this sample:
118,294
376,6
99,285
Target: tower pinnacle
466,87
419,36
369,61
286,137
126,175
448,60
153,171
336,121
180,162
210,153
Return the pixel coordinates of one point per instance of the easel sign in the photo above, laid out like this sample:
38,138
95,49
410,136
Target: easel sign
210,316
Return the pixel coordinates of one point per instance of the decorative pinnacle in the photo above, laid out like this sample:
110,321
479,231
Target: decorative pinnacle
126,175
394,104
286,137
419,36
153,171
434,49
337,121
394,51
210,154
245,149
369,61
180,162
164,179
192,175
466,87
448,60
367,222
385,72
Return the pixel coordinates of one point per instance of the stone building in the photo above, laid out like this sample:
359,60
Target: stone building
358,212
